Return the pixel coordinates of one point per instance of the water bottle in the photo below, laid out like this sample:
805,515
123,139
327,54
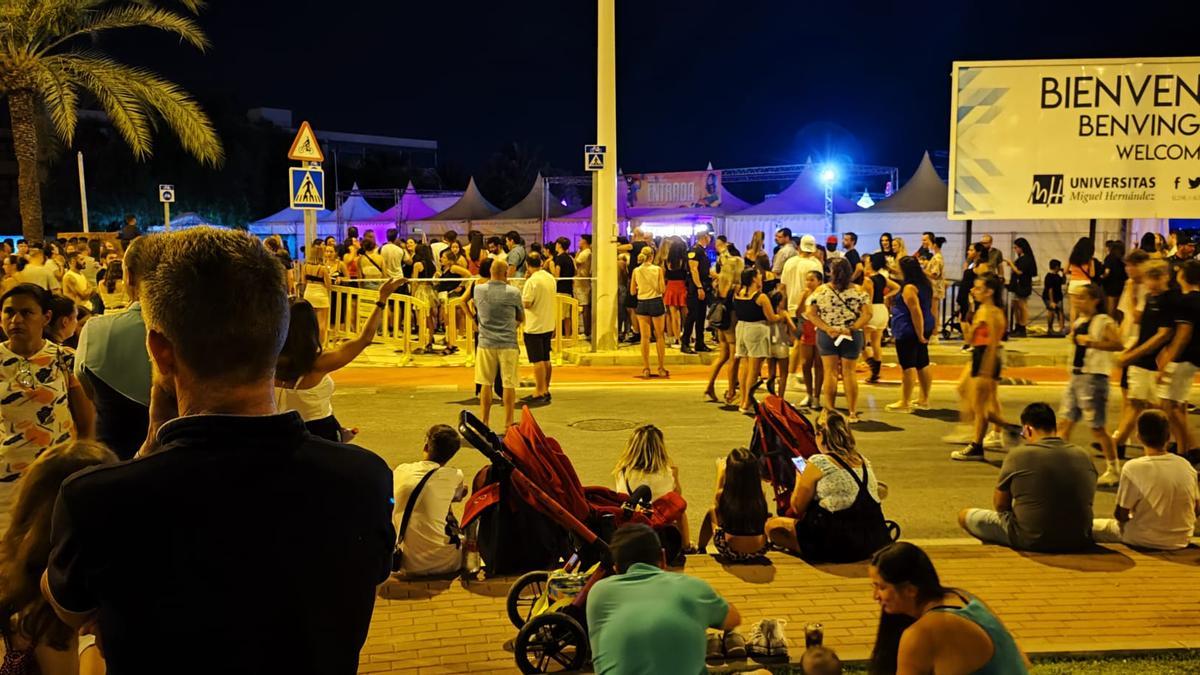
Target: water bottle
471,561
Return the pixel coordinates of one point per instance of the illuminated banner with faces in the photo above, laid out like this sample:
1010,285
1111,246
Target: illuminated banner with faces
683,189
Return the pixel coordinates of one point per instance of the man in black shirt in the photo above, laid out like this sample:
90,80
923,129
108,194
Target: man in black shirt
564,266
1179,360
239,542
699,285
849,242
1154,332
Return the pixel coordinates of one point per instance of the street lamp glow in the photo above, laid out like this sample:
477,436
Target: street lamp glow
828,175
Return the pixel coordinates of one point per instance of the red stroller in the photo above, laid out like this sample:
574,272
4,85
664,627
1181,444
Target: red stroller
780,433
529,491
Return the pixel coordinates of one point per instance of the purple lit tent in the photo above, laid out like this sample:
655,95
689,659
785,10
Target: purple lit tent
289,225
471,206
690,216
410,207
579,222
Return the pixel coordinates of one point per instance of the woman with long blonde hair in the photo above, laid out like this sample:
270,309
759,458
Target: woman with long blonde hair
33,634
645,463
755,247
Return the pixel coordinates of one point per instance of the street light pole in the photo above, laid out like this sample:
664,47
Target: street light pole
604,187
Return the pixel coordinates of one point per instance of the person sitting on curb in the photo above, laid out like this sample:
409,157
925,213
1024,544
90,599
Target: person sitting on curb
1043,500
1157,500
647,620
427,532
736,524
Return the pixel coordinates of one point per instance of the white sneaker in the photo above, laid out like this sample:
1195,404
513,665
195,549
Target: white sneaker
993,441
920,406
767,641
1109,478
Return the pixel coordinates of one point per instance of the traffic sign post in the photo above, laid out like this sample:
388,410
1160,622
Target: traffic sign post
307,182
166,195
593,157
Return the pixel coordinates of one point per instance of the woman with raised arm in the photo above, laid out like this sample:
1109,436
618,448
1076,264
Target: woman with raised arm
302,381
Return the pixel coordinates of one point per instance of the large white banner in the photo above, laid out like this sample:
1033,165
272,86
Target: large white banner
1107,138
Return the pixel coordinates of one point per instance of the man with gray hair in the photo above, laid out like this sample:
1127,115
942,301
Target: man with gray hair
236,524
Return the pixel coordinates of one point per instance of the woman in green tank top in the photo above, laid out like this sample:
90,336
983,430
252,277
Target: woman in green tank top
929,628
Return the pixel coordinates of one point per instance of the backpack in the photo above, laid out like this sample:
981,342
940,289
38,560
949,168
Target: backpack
718,316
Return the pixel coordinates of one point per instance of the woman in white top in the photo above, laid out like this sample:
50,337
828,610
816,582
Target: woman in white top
648,283
370,265
317,284
645,463
112,288
302,381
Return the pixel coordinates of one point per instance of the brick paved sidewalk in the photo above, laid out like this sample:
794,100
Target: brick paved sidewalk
1114,599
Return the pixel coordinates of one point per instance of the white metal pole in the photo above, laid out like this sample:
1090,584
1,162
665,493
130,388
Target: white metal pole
604,190
82,193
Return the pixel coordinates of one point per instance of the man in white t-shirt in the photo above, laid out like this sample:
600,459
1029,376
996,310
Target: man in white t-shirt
538,295
393,256
796,269
1157,501
37,272
429,543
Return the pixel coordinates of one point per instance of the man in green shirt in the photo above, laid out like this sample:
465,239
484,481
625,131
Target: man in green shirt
646,620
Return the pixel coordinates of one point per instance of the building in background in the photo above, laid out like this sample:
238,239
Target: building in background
352,149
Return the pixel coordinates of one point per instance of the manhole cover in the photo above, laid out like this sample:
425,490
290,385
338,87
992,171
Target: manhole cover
604,424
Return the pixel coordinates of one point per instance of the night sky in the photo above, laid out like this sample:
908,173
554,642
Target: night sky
737,83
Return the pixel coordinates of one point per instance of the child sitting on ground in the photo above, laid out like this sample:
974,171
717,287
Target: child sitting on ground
820,660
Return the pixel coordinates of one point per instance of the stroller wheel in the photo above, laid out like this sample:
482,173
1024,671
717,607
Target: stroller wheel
523,595
551,643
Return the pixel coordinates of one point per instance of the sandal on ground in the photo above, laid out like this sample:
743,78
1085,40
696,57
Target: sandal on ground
731,396
646,373
663,372
711,394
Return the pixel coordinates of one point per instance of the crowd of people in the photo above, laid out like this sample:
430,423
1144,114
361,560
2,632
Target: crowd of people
257,425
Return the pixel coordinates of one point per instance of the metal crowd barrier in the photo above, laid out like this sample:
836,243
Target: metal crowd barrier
406,321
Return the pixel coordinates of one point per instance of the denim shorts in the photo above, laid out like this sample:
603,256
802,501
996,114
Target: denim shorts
847,349
1086,397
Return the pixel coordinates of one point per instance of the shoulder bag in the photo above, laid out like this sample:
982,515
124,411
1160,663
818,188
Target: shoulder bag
718,315
397,554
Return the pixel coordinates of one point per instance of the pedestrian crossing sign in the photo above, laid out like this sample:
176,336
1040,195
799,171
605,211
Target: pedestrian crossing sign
307,188
593,157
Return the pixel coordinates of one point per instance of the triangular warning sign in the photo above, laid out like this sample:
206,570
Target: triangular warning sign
595,161
305,147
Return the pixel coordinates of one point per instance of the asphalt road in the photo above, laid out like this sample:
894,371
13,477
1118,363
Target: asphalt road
592,421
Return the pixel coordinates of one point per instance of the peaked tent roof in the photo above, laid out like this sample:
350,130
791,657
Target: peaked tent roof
925,191
356,209
411,207
290,216
622,205
471,206
530,206
804,195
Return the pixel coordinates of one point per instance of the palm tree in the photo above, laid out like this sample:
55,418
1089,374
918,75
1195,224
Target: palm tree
45,63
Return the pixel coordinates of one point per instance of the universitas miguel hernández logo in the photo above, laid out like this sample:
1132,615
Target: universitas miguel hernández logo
1047,189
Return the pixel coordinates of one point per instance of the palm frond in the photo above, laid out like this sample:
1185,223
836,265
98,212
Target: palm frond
140,98
109,82
48,18
133,16
59,95
181,113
